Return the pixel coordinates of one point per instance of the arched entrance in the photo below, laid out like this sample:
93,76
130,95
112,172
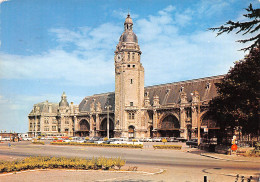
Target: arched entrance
67,131
83,128
169,127
131,131
103,128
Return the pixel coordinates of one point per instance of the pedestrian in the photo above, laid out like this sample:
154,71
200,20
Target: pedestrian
9,145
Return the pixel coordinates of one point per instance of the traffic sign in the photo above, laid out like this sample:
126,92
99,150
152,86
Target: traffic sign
234,147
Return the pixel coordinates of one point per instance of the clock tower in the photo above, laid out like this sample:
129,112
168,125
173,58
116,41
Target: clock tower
129,85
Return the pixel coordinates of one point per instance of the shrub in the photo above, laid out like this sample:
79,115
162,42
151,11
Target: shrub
37,142
176,147
60,162
98,145
164,141
119,162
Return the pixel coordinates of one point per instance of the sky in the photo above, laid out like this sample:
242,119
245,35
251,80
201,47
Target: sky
51,46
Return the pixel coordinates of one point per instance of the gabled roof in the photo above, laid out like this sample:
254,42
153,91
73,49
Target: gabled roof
168,93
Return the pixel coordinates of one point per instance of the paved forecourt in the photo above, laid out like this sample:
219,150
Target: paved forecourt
151,164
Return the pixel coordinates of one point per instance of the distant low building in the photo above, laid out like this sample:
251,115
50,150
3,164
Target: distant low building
8,136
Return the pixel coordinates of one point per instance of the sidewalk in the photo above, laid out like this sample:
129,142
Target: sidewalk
235,158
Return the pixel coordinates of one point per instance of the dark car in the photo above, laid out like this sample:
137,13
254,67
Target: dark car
180,139
192,143
92,140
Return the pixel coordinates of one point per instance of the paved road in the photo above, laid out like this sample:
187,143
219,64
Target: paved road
179,165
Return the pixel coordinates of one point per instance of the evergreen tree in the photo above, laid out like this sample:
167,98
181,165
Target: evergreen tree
251,27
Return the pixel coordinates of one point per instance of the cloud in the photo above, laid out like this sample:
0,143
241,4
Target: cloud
84,57
169,55
90,57
1,1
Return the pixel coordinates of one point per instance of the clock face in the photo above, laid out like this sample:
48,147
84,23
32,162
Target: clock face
119,58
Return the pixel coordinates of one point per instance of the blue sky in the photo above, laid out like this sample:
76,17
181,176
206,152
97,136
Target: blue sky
51,46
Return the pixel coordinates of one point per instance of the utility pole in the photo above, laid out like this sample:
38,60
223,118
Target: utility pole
35,125
107,107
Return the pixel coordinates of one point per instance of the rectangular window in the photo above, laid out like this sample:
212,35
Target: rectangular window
131,104
128,65
53,128
131,81
131,116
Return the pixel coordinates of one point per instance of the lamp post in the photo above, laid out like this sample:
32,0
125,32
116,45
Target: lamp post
198,119
107,107
35,125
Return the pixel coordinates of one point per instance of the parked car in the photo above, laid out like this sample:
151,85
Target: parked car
118,141
101,140
92,140
173,139
180,139
156,139
147,140
192,143
134,142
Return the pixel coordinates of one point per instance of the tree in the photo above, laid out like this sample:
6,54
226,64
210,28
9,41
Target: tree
246,27
238,101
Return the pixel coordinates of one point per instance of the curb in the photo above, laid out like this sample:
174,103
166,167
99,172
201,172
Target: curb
219,158
140,172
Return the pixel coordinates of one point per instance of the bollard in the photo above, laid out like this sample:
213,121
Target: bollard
237,178
249,179
205,178
242,179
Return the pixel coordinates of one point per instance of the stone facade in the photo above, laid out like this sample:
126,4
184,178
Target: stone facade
167,110
52,119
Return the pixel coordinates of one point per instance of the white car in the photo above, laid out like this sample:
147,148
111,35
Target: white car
80,141
101,140
134,142
118,141
67,141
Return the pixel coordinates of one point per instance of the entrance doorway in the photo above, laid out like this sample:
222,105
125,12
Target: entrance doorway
131,131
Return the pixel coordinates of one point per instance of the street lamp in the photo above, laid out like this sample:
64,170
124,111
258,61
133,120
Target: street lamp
198,117
107,107
35,125
198,121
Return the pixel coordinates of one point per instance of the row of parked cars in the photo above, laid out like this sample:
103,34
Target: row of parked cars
100,140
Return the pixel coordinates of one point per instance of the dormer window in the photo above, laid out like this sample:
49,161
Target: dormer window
181,89
207,85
